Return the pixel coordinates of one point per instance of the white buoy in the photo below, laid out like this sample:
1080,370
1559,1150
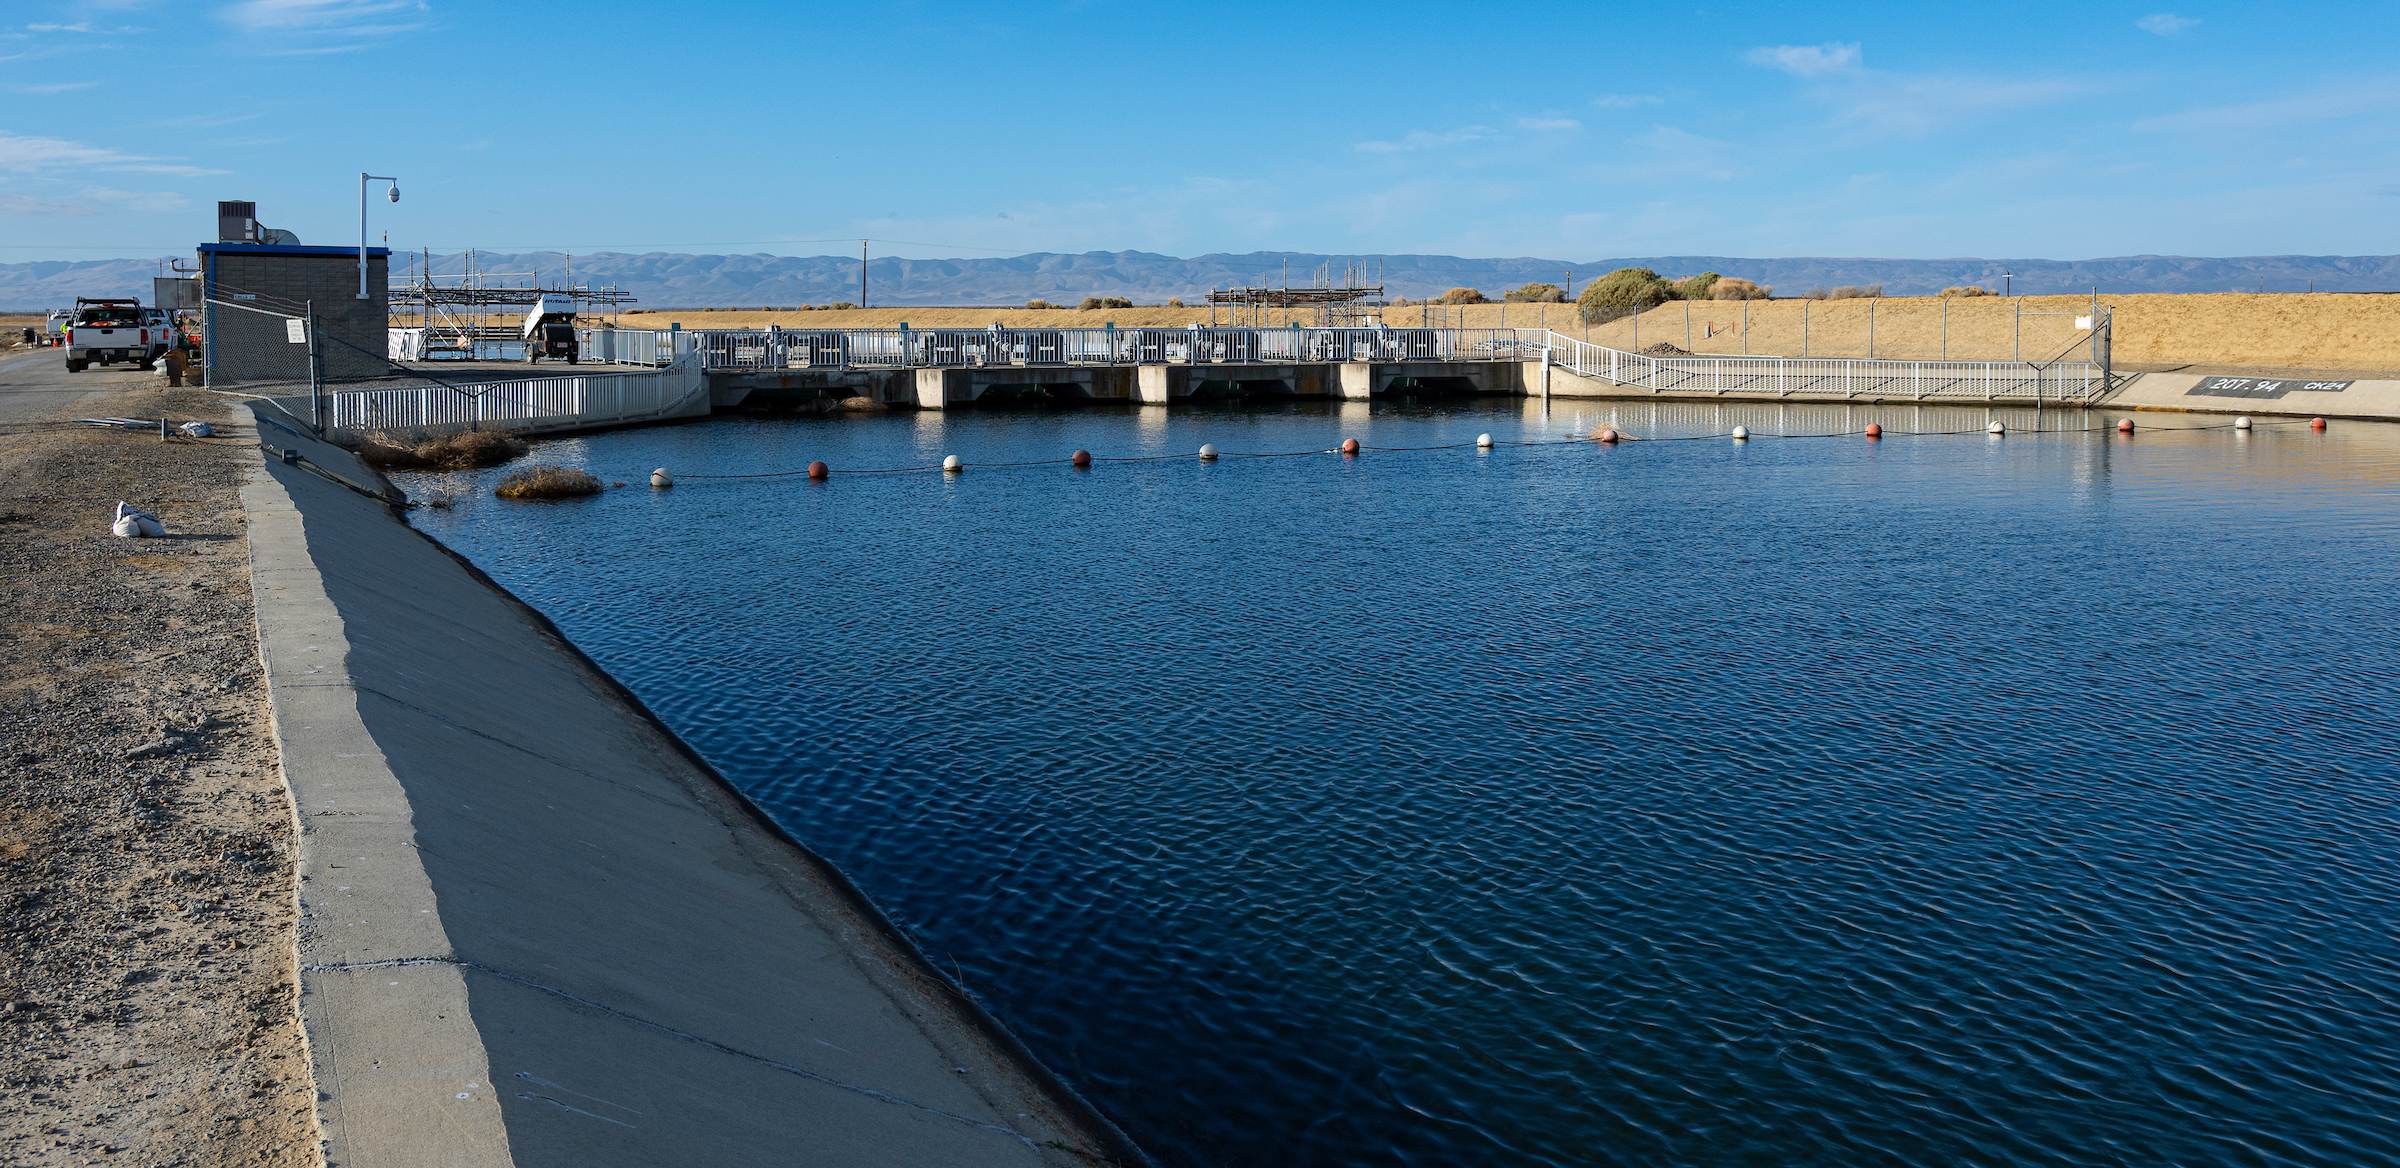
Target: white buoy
1741,433
951,464
1996,429
661,479
1208,452
1483,442
2242,423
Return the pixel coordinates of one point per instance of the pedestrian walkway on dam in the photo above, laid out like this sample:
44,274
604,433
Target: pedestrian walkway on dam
536,930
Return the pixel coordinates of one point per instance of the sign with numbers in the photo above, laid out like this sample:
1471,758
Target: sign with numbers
2261,387
296,331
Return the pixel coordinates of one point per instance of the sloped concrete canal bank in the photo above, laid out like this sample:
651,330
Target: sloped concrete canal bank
537,930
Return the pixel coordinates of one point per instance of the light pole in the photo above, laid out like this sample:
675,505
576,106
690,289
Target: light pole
363,179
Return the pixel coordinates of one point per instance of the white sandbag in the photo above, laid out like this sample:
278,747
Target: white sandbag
198,429
133,523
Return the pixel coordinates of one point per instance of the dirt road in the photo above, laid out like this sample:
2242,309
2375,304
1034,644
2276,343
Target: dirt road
147,1010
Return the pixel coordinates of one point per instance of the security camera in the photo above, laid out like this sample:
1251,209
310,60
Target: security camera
395,194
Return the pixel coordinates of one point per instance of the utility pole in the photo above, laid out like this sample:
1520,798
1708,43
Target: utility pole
862,273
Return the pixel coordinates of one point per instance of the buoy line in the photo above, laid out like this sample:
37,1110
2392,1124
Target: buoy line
953,466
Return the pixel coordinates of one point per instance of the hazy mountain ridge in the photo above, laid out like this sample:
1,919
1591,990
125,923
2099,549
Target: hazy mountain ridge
679,280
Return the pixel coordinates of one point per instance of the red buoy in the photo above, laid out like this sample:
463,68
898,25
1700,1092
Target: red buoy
819,472
2316,423
2125,427
1349,447
1874,430
1606,434
1082,460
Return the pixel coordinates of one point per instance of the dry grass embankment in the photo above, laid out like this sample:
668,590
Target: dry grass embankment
2333,332
548,482
464,450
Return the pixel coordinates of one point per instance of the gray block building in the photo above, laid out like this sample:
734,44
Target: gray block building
251,290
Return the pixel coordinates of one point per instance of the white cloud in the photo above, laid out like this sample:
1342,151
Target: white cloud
1920,103
92,201
1618,101
2166,24
1806,60
308,27
1549,124
55,87
1426,140
24,155
78,26
2358,97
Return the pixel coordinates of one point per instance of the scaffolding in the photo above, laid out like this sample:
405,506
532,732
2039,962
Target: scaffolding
1349,304
480,313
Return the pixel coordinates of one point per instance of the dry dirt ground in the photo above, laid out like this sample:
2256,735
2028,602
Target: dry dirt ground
147,1008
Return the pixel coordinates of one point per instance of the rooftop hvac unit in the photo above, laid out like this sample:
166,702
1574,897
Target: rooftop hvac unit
237,221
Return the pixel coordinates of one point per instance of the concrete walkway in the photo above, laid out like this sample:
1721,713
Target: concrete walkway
2377,400
534,931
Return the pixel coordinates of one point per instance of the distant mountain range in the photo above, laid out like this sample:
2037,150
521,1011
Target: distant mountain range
675,280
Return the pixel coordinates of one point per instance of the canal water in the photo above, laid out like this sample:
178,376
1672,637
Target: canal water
1941,800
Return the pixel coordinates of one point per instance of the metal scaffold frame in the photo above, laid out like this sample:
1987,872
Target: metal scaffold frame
478,307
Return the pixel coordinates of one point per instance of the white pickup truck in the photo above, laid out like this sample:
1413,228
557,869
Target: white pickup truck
108,331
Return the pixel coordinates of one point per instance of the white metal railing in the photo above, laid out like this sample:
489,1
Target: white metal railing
533,403
606,346
1830,377
906,348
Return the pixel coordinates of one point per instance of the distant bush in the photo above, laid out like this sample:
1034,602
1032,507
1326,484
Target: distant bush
1847,292
1462,296
1622,291
1965,290
548,482
1039,304
1737,288
1092,302
1693,287
1535,294
839,306
1175,302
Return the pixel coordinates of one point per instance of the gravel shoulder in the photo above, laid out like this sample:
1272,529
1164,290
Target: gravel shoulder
148,1009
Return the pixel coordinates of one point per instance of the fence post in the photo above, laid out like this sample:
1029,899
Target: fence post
1870,329
316,375
1945,328
1745,328
2018,346
1804,328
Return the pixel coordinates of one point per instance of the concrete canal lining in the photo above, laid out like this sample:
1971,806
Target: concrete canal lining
536,930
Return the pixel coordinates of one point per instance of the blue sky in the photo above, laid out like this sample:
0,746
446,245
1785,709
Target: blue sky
1568,131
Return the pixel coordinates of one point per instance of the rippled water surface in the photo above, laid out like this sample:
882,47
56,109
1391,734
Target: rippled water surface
1940,801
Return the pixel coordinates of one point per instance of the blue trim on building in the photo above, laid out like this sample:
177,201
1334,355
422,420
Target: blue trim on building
287,249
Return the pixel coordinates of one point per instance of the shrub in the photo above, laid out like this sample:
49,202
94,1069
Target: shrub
1693,287
1175,302
1536,294
1737,288
1092,302
1462,296
1038,305
464,450
1965,290
1847,292
1622,291
840,306
548,482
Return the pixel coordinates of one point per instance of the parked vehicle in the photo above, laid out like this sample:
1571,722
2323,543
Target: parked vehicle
112,330
550,329
54,330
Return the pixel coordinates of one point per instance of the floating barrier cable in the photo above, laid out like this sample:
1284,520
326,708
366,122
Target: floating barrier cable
1603,436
